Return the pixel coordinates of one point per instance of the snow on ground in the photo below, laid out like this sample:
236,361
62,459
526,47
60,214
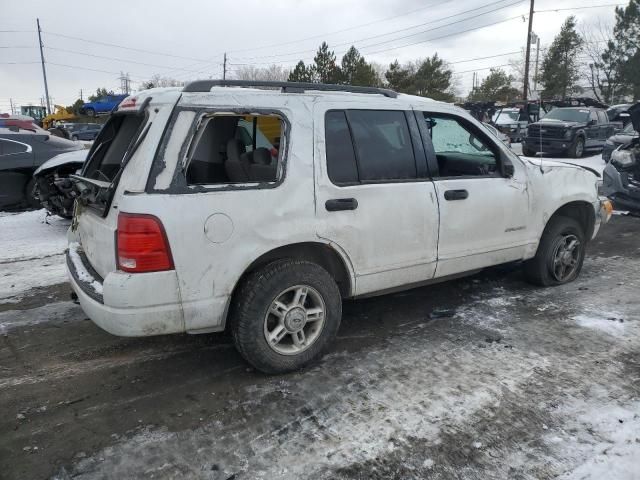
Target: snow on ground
33,244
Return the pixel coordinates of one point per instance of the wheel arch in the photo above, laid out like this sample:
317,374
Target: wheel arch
323,254
582,212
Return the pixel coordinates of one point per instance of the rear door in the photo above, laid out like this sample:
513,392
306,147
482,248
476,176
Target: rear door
374,200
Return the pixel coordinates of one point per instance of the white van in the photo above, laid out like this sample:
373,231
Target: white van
222,206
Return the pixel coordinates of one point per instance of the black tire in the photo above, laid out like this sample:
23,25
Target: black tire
527,153
539,270
577,149
74,138
90,112
252,303
29,194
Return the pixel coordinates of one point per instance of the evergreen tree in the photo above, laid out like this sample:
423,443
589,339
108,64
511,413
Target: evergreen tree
325,69
624,49
433,79
301,73
399,77
356,71
496,87
560,68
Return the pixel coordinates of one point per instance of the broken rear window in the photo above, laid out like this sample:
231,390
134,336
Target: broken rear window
115,139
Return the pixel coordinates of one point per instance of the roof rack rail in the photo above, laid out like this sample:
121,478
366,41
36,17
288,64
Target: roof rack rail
286,87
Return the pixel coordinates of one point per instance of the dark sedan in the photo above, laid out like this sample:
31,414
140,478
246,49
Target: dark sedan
21,153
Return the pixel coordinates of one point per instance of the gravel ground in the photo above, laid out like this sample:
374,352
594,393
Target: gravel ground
480,378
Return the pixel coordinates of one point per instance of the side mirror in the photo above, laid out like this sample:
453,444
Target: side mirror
592,122
507,167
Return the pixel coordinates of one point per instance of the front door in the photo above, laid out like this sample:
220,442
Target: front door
374,200
483,213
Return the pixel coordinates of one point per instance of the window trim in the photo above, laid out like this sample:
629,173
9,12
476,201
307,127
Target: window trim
432,159
417,149
179,184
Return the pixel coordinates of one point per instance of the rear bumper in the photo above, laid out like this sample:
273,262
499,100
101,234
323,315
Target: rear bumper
124,304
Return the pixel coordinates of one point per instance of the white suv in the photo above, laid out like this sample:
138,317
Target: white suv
221,206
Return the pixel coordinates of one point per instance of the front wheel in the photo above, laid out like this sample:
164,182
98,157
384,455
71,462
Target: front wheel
560,254
74,138
527,152
90,112
577,149
285,314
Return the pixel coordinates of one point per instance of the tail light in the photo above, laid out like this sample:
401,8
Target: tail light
142,244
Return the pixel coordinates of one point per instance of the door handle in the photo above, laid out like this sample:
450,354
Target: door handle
337,204
455,194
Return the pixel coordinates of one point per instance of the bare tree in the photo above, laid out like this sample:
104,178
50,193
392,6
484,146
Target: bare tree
601,70
271,73
158,81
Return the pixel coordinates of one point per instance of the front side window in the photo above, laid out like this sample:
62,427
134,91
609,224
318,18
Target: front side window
367,146
461,150
235,149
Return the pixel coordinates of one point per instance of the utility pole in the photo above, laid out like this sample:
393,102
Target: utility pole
44,70
224,67
81,95
535,75
528,55
11,103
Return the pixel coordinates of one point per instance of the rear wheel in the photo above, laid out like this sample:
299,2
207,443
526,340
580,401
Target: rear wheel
285,314
560,254
74,138
577,149
90,112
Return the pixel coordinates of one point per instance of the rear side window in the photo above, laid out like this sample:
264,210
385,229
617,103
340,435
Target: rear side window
341,158
365,146
112,144
603,117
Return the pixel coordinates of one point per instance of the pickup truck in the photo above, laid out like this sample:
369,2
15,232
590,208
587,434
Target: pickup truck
568,131
102,105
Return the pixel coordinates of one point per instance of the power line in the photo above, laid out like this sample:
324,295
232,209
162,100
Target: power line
321,35
17,63
125,47
389,33
409,28
116,59
581,8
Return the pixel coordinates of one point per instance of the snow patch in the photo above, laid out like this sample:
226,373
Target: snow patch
606,443
33,244
608,323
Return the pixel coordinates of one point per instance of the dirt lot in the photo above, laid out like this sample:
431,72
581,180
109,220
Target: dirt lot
480,378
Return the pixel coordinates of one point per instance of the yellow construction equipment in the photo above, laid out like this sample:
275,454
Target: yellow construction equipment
61,114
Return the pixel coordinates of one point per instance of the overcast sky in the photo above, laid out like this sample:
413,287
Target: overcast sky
186,39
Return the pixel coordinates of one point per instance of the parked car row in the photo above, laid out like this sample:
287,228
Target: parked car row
22,151
77,131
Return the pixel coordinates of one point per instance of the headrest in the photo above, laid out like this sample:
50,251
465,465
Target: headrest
235,148
261,156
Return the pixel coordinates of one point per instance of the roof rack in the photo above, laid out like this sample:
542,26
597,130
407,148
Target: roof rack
286,87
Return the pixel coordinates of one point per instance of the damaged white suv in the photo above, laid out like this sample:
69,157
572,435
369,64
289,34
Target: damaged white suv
259,209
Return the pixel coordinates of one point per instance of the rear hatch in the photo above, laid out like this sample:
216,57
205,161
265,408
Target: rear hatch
117,164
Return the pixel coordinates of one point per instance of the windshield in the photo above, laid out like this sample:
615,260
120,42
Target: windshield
568,115
506,116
